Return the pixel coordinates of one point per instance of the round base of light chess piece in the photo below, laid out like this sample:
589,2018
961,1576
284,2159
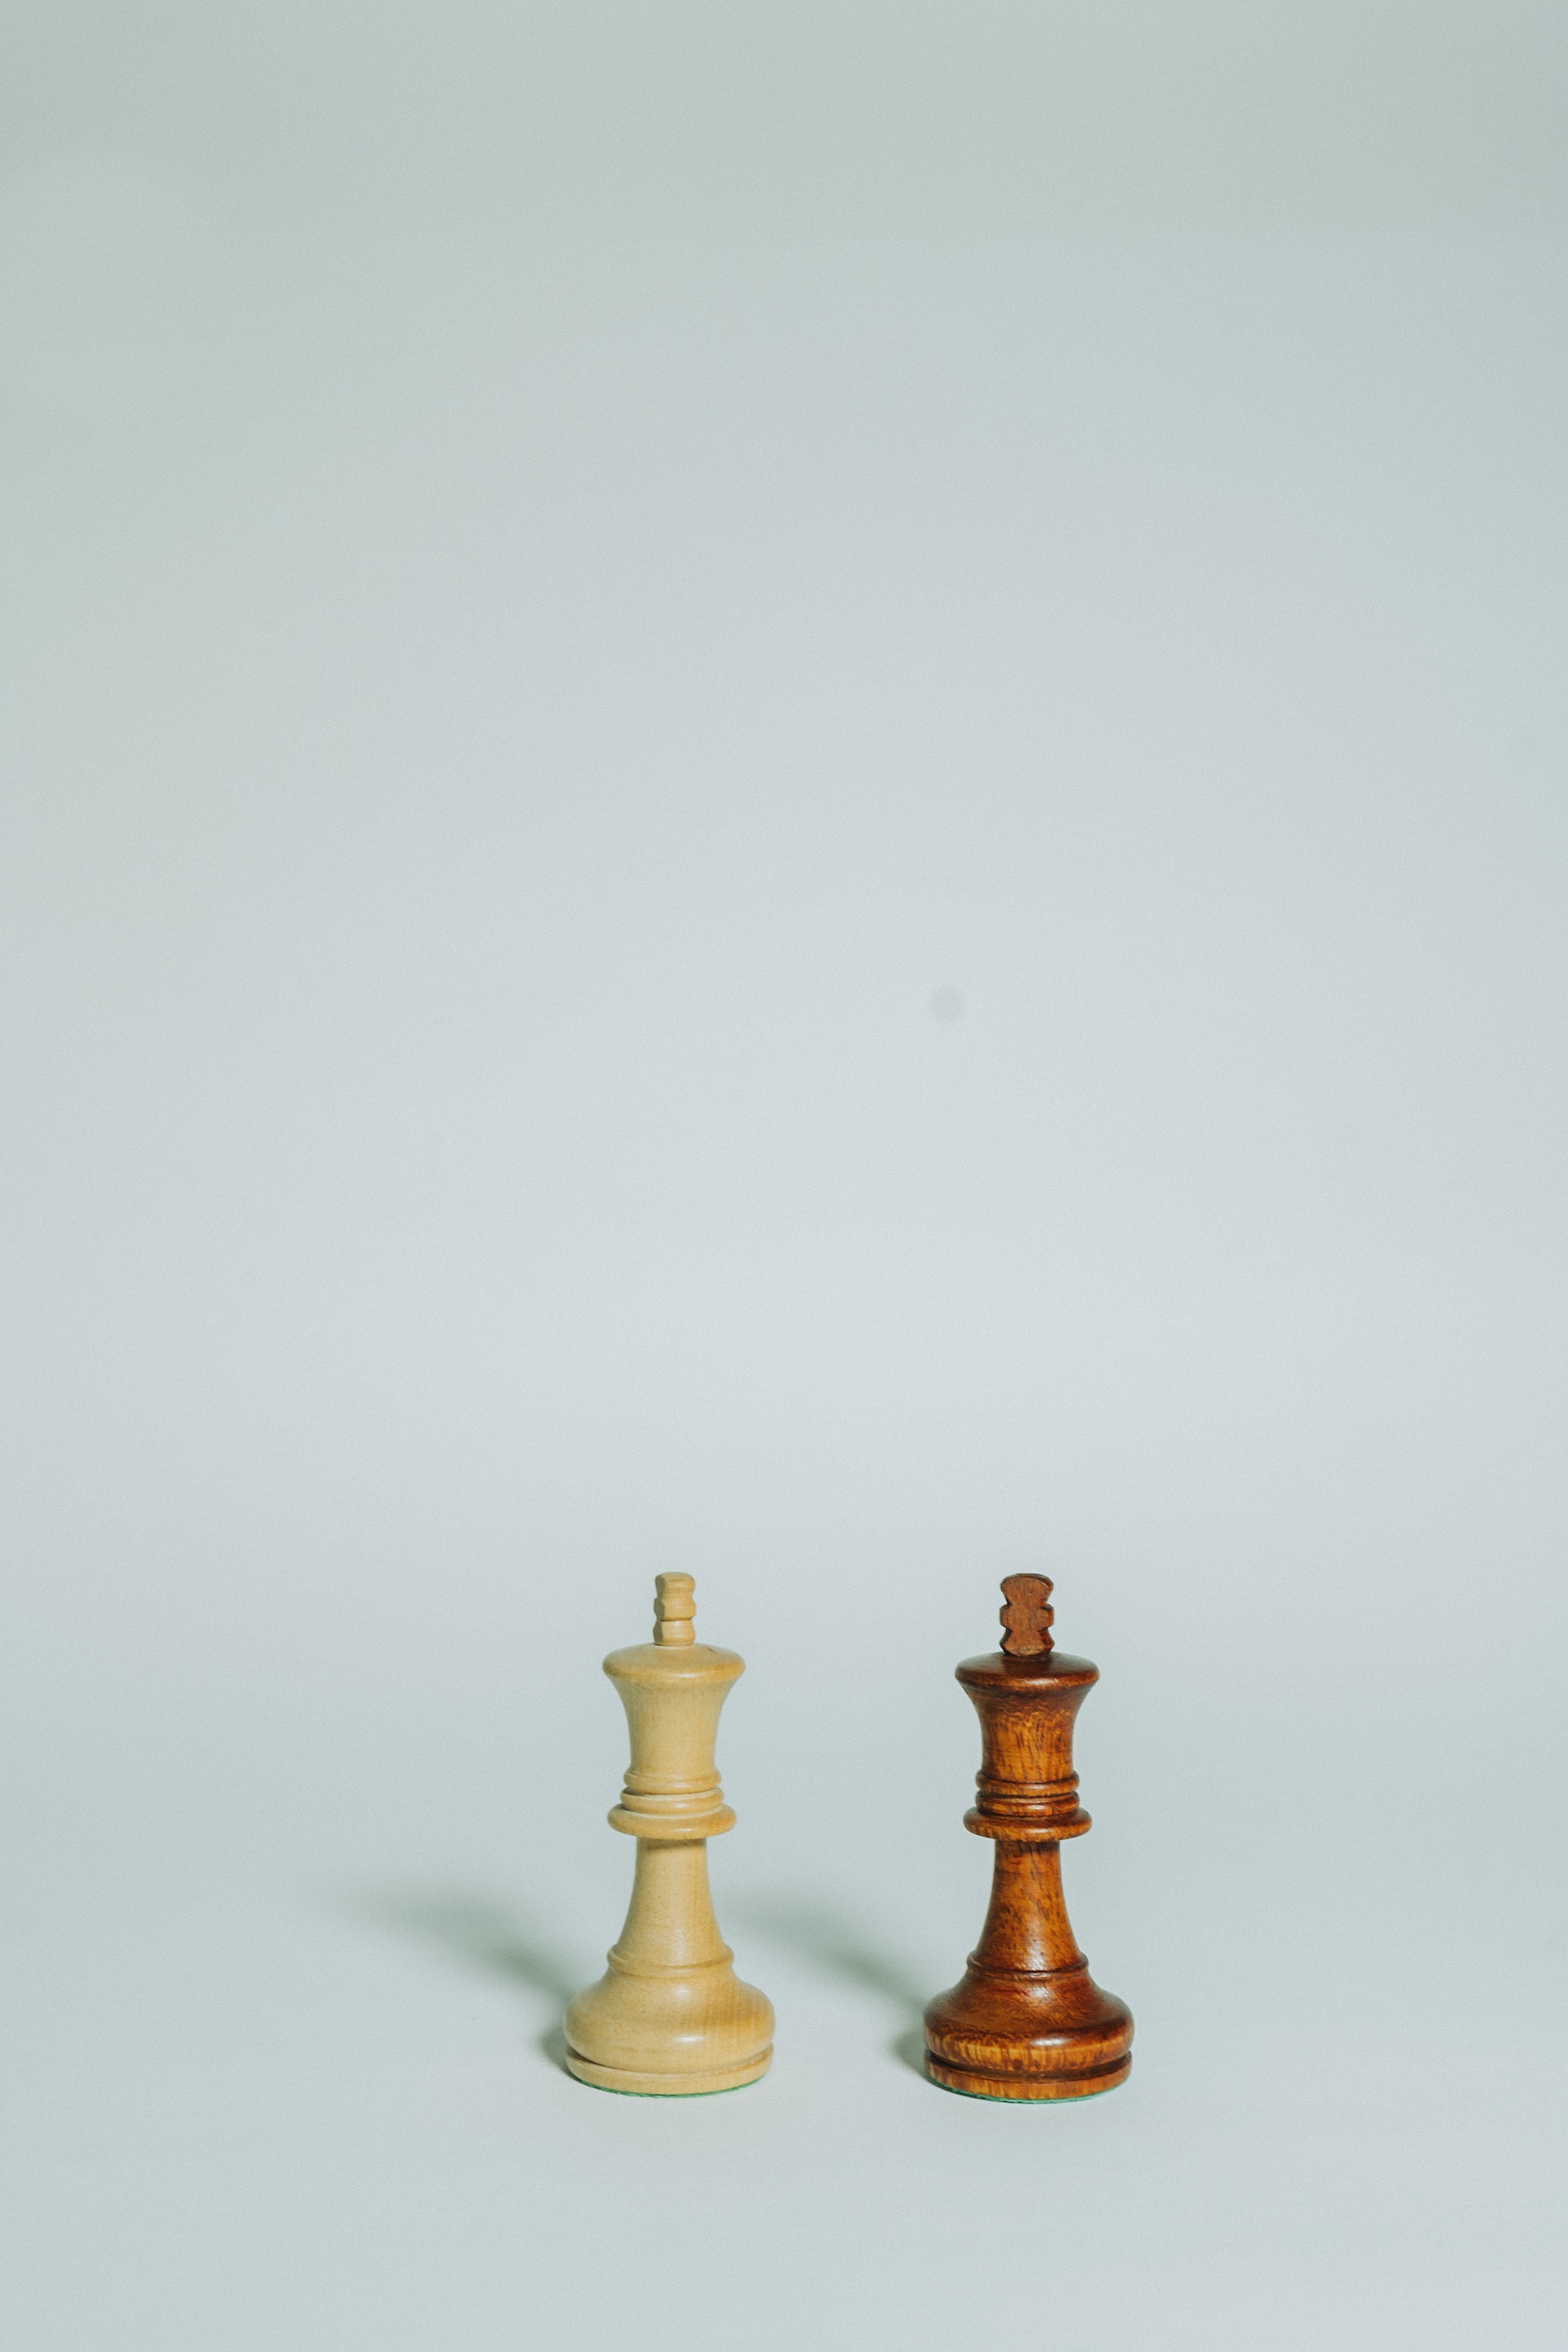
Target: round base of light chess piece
668,2086
676,2030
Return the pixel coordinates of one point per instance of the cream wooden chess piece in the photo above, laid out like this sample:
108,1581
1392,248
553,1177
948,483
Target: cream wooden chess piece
671,2016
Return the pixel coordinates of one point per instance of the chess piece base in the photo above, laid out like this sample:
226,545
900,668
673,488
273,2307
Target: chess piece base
669,2017
1027,2020
1027,2086
667,2086
1007,2035
670,2035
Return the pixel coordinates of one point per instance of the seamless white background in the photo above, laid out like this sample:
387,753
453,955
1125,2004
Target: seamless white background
784,794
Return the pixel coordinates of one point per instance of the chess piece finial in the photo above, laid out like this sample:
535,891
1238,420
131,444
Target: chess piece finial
1027,2021
670,2016
673,1610
1028,1616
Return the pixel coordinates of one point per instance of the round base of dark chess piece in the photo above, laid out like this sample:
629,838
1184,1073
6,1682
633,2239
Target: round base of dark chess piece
1021,2031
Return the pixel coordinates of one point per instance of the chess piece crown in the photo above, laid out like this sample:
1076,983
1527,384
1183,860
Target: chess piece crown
671,2017
1027,2020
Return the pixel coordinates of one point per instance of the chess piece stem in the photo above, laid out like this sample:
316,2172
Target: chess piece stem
671,2017
1027,2021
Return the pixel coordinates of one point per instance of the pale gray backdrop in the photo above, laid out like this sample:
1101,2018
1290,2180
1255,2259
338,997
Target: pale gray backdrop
784,794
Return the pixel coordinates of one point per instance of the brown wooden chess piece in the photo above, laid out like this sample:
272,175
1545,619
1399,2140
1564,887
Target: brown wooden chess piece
1028,2022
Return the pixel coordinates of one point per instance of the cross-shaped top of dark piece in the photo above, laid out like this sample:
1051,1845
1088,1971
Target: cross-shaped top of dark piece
1026,1620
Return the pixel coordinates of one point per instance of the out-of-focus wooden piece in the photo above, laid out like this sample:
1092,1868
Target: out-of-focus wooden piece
670,2016
1027,2021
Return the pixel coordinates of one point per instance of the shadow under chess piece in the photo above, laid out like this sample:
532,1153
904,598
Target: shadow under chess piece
1027,2021
671,2017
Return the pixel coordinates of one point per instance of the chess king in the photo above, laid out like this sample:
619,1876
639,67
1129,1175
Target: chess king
671,2017
1027,2021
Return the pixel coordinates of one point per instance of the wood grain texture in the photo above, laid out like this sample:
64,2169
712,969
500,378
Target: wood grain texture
1027,2021
1028,1616
671,2017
